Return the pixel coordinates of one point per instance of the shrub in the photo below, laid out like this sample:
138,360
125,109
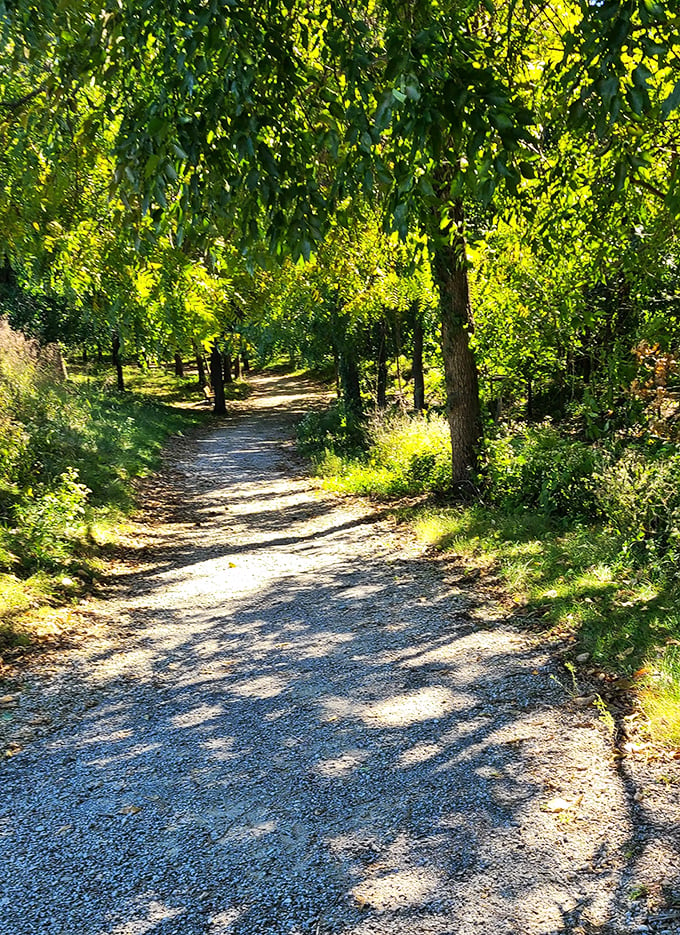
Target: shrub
67,454
48,520
541,469
331,430
416,450
401,455
640,497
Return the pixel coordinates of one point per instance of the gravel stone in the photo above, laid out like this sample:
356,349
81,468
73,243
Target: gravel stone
289,719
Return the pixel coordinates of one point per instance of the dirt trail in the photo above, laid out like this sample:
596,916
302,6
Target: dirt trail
293,722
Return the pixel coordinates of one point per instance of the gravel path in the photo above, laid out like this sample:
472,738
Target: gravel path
294,722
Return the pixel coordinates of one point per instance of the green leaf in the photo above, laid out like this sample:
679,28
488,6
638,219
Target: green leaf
672,101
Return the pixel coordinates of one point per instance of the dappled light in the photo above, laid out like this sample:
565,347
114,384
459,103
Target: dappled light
403,710
330,738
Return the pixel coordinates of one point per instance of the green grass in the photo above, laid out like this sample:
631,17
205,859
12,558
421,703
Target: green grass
405,456
604,586
70,458
573,582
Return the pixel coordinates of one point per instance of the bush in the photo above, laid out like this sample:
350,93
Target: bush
416,450
49,520
331,430
639,495
67,455
541,469
401,455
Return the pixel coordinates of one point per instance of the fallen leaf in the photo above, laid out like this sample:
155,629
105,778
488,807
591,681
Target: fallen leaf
8,699
232,564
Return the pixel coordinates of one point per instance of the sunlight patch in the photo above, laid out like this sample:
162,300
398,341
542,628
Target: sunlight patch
263,686
397,889
156,914
222,923
197,715
409,708
419,754
341,765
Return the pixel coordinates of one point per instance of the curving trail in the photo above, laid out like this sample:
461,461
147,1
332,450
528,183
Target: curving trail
294,722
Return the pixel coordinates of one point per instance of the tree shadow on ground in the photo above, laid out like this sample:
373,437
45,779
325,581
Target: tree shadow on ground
358,745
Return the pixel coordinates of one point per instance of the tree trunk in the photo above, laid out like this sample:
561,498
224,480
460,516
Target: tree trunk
100,353
237,366
219,407
381,388
115,358
246,361
179,365
397,359
418,376
227,366
460,370
200,364
7,277
85,356
349,377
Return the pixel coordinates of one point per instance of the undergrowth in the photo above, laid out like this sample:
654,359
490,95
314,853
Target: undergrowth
68,455
584,538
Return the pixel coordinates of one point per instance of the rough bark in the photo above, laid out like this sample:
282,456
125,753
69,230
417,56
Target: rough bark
179,365
117,363
460,370
219,406
417,366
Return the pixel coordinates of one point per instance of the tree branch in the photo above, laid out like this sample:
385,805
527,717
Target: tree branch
19,102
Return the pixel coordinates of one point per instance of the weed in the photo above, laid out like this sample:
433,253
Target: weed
605,714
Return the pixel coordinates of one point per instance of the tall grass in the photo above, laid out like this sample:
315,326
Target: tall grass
68,455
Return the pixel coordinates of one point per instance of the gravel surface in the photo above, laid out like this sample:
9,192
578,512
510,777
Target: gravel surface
293,721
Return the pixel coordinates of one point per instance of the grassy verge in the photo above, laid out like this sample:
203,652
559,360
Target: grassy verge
69,457
574,582
589,556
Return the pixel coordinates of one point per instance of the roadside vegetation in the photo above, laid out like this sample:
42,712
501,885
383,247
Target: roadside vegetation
583,537
469,213
69,454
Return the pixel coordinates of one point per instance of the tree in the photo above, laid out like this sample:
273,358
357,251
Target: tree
263,118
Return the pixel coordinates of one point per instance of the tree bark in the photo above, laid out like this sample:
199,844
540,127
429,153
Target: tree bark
246,361
460,370
200,365
179,365
237,366
418,375
115,358
227,366
219,407
349,378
